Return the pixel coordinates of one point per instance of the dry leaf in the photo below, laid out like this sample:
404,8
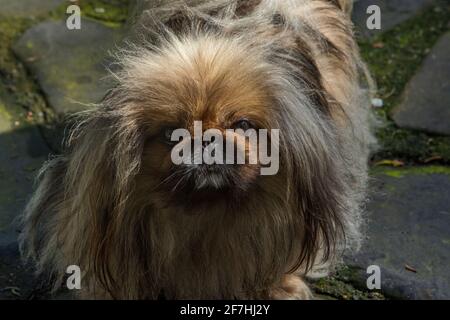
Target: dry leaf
409,268
14,290
378,45
392,163
431,159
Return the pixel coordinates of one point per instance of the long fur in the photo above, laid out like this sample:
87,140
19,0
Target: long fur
99,206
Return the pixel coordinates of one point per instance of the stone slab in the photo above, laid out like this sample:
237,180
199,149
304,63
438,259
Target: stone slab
426,100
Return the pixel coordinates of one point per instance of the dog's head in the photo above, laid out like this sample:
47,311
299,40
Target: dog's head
221,98
202,96
226,83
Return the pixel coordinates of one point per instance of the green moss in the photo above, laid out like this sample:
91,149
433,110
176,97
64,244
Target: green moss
400,51
112,12
22,98
421,170
393,58
4,114
341,286
411,146
18,91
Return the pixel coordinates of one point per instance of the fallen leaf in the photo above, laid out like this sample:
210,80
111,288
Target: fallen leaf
409,268
378,45
14,290
392,163
431,159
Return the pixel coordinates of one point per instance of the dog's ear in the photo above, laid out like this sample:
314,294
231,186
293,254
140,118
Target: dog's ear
317,188
75,199
36,240
72,189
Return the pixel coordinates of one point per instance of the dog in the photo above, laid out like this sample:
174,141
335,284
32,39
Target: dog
141,227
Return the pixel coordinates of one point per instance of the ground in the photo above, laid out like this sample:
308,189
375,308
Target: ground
45,72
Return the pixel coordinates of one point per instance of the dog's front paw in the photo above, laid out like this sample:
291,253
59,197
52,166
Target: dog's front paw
292,287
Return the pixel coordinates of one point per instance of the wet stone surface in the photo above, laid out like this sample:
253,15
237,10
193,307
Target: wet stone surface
408,234
22,153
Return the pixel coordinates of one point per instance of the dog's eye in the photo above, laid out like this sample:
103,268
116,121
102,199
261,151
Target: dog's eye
242,124
166,135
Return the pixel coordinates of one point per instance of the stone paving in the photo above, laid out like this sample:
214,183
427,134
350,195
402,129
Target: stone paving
408,233
408,230
70,69
426,101
23,151
393,12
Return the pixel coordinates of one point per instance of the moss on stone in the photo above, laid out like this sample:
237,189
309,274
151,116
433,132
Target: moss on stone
25,102
22,98
393,58
112,12
411,146
417,170
19,93
341,286
4,114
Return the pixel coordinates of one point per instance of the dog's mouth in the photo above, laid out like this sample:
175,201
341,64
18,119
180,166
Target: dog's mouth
201,178
214,177
208,180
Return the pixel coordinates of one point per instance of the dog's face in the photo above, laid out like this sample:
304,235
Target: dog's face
214,84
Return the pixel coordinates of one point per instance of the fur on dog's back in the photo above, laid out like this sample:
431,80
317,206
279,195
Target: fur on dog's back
311,41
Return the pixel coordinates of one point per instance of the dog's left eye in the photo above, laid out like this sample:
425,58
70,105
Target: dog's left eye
242,124
166,135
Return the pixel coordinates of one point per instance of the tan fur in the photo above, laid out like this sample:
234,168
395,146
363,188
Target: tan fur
114,204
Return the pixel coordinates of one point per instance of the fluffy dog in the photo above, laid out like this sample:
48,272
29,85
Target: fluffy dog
141,227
